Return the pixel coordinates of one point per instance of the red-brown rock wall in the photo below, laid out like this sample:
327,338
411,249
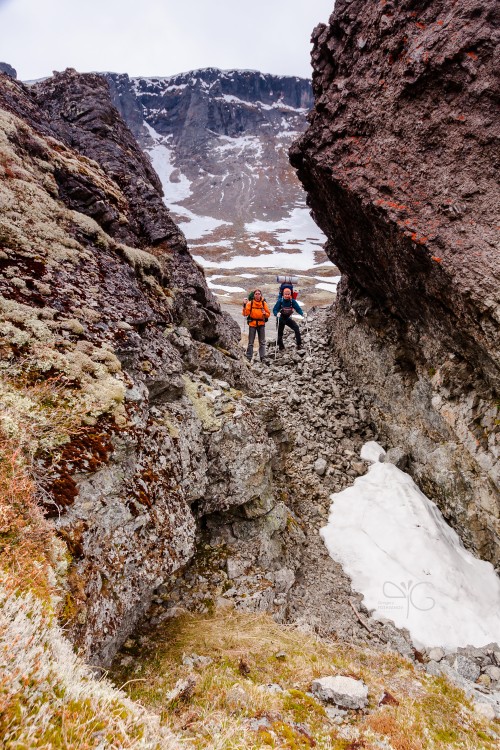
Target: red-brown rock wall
400,162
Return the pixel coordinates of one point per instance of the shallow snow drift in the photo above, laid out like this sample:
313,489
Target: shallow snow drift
408,563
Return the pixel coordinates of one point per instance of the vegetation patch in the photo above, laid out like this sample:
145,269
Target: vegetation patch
232,680
48,697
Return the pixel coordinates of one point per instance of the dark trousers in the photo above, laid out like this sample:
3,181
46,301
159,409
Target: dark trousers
285,321
261,332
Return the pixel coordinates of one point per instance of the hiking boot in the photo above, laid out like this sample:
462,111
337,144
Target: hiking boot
300,345
265,361
281,347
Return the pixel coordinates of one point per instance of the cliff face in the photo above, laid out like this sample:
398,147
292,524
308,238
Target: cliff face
119,371
400,164
219,141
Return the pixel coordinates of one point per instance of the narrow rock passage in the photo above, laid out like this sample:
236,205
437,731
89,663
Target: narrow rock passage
273,558
330,421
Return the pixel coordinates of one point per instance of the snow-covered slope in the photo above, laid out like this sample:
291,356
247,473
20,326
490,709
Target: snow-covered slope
409,564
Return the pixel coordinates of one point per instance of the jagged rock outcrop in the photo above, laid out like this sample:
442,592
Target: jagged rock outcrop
6,68
101,381
82,114
400,162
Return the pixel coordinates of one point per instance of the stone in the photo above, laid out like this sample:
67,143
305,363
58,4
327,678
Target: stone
283,579
432,667
358,467
183,688
193,660
398,457
484,679
494,672
236,567
466,668
335,713
257,725
345,692
436,654
320,466
485,709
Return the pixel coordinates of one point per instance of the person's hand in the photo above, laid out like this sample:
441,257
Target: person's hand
304,315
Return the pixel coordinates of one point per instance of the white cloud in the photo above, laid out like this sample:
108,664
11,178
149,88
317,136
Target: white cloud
158,37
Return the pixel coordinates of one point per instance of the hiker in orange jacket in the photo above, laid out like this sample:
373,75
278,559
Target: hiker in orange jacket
257,313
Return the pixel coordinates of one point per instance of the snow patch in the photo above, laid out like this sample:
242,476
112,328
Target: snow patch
372,452
197,226
162,159
328,286
225,288
296,227
294,262
409,564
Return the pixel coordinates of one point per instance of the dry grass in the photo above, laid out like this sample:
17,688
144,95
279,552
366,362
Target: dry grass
31,558
232,692
48,698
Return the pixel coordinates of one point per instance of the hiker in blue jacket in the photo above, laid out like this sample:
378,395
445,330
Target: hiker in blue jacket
284,307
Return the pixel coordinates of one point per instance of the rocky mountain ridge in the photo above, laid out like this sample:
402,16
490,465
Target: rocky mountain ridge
219,141
400,164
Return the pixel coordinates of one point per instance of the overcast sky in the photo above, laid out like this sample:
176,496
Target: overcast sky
158,37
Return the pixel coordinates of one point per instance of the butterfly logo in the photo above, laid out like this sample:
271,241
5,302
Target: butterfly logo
406,591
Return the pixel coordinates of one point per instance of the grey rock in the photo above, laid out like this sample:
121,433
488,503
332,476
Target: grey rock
343,691
335,713
436,654
8,69
257,724
432,667
235,567
396,456
493,672
320,466
485,709
283,579
466,668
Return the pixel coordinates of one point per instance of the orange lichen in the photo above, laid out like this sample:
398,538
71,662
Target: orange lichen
436,259
418,239
472,55
391,204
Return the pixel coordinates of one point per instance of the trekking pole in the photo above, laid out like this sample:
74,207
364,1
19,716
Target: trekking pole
308,336
276,340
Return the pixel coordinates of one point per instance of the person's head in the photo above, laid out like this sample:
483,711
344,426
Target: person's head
287,293
257,295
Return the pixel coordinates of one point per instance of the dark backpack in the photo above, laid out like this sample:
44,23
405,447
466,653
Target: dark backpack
286,285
